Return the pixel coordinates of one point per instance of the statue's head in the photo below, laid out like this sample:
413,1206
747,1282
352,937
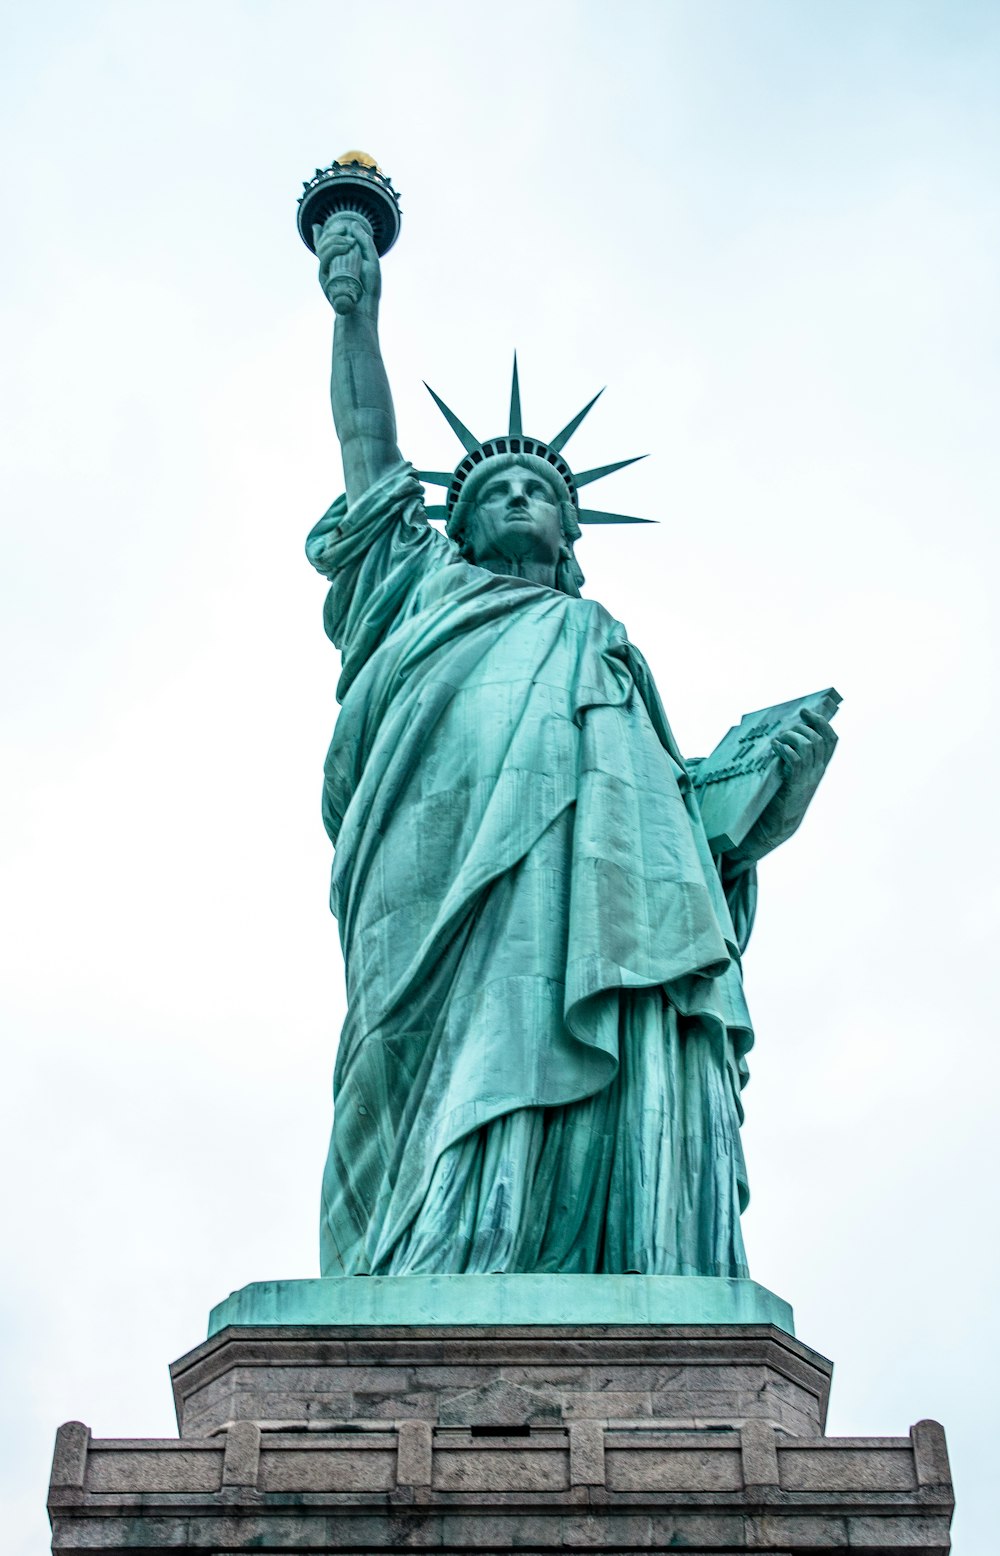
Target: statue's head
514,500
515,507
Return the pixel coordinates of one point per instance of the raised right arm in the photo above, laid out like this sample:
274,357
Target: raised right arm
359,389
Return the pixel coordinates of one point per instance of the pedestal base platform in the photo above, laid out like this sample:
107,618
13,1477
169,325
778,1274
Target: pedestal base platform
456,1438
504,1299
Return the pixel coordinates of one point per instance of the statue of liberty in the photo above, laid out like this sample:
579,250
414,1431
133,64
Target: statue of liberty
546,1034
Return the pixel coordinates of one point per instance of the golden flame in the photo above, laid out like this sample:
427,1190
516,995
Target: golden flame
359,156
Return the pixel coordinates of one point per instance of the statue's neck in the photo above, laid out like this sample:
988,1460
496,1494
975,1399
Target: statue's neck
520,567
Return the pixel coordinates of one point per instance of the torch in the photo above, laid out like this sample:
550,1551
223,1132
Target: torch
354,183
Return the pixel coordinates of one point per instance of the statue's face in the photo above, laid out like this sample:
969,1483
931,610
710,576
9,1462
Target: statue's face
517,514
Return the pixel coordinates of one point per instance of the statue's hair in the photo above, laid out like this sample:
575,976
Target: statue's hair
569,577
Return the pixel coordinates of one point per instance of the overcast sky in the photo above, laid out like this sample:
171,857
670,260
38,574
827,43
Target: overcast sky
772,230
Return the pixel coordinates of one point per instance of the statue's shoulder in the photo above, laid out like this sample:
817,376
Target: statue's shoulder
599,618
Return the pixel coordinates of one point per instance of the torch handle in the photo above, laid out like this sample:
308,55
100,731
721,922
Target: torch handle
344,286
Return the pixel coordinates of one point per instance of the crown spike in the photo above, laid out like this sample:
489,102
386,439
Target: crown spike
586,476
514,427
435,477
461,431
595,516
558,443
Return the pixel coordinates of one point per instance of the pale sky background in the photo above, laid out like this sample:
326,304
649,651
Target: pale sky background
773,230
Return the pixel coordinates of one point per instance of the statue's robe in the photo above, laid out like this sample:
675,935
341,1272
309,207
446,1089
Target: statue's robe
546,1032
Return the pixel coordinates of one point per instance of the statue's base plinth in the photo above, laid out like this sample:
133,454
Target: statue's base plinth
504,1299
551,1348
457,1434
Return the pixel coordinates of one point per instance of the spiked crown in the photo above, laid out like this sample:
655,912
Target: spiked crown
514,442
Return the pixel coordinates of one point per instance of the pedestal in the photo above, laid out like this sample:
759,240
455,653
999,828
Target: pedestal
456,1437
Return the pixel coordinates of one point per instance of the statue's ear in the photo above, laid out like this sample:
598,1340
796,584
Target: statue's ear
458,529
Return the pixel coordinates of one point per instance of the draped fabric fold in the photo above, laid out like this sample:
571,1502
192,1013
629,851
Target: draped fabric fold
546,1033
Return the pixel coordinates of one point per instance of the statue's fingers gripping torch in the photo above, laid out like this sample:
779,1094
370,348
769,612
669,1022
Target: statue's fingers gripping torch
353,183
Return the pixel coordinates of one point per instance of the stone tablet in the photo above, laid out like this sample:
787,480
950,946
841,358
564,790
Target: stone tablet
743,773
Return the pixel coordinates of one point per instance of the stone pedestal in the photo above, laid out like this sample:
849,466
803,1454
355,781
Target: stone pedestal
534,1437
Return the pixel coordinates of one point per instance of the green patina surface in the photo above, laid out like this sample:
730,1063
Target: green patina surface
504,1299
546,1035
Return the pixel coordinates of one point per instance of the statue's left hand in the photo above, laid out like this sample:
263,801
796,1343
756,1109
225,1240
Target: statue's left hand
804,752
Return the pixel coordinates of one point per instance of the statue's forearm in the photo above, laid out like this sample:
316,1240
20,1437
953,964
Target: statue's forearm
362,403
